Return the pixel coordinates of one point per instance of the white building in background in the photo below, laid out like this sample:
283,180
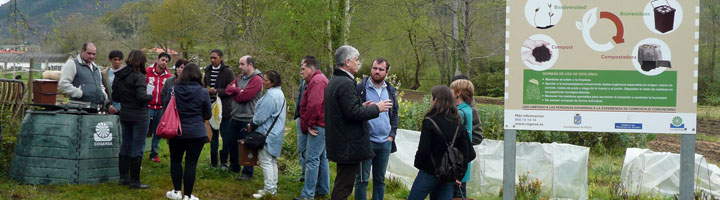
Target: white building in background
43,61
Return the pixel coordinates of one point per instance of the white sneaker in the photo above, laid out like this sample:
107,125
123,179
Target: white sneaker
191,197
174,195
259,194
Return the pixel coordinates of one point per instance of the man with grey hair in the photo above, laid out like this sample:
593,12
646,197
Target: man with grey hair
347,133
81,78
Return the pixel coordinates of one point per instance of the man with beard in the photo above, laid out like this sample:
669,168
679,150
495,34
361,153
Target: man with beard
382,130
156,75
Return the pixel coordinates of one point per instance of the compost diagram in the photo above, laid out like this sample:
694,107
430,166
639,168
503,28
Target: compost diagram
621,66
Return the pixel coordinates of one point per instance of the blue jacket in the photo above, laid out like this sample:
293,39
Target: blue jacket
193,105
467,120
268,107
361,90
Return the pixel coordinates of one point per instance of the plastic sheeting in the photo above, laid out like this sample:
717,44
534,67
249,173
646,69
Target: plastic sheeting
648,172
561,168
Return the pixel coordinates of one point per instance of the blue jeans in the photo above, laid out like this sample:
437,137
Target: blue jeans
133,138
427,183
317,169
215,143
154,116
379,166
236,133
301,143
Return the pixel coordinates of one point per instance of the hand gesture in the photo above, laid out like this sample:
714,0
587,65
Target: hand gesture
384,105
313,132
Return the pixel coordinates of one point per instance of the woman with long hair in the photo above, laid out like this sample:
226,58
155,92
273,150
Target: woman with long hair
193,106
270,107
463,91
433,144
129,90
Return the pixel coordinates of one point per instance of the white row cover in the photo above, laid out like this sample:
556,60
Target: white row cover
648,172
561,168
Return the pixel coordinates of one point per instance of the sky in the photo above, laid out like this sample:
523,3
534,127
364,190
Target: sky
3,1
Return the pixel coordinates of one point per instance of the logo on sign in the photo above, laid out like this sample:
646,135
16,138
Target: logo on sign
102,136
677,122
577,119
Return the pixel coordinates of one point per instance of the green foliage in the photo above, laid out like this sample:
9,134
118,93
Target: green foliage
489,84
528,188
411,113
10,130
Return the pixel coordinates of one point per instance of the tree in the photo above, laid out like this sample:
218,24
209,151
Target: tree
180,22
71,33
129,21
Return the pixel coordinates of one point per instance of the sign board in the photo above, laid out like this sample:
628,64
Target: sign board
602,66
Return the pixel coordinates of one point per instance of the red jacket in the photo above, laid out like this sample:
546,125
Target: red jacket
312,105
157,81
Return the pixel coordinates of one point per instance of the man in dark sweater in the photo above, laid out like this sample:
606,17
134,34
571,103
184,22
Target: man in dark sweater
217,77
346,121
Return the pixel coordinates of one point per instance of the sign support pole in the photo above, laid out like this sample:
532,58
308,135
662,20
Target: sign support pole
509,164
687,166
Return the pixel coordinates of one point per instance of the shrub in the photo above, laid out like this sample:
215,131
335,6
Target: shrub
411,114
489,84
10,130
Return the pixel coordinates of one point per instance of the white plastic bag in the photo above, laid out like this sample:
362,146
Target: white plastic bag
216,118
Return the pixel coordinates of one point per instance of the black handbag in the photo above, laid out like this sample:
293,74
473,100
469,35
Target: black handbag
256,140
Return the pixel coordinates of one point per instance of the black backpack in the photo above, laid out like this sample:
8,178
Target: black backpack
452,165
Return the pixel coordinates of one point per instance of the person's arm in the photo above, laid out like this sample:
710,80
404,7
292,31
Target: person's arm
394,118
66,79
232,88
206,106
265,108
304,115
466,144
425,143
316,102
248,93
140,90
347,98
226,74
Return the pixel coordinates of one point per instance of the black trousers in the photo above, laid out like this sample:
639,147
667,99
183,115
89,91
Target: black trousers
344,180
191,149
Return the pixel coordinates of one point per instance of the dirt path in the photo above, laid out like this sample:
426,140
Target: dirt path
667,143
417,96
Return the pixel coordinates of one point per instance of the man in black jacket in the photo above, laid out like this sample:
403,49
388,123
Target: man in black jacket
217,77
346,119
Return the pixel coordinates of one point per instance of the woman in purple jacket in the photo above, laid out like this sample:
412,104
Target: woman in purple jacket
193,106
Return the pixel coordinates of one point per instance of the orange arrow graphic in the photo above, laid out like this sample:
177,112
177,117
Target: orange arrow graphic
618,38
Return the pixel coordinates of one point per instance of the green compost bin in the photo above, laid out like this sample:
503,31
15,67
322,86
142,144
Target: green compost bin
55,147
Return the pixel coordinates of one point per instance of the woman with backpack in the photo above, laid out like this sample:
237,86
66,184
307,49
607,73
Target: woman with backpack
129,89
193,106
270,120
444,149
462,91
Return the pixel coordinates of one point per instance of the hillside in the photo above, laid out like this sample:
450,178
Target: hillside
40,13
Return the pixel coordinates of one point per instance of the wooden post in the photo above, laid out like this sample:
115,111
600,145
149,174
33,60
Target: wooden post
30,81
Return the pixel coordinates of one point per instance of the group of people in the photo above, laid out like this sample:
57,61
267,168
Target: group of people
338,119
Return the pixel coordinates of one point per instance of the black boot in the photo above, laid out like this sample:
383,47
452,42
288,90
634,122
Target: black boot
123,166
135,183
214,159
223,157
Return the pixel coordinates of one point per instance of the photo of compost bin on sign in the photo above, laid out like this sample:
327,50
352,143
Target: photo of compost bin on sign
602,66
